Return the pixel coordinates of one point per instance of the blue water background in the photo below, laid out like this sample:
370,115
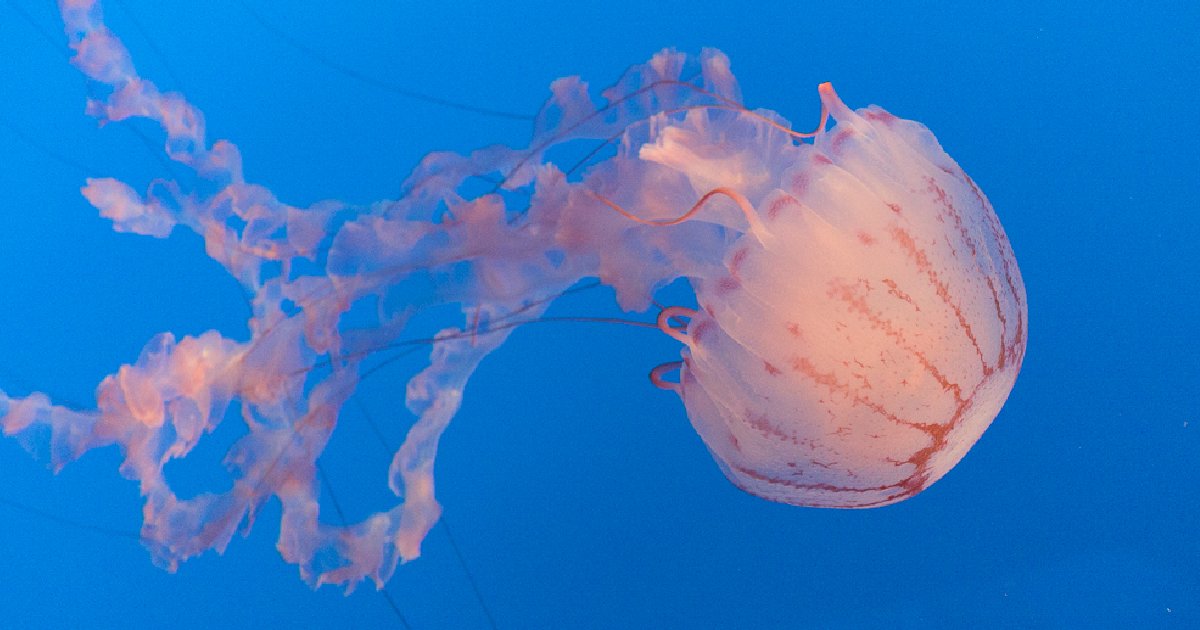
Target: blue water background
578,494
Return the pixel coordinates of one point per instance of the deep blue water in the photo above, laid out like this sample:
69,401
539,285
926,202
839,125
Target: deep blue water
578,494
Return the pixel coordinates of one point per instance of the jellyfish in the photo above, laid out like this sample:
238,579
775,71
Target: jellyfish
859,317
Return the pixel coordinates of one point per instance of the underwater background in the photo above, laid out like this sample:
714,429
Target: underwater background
576,494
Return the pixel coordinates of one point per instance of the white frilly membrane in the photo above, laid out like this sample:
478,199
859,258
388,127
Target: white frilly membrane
667,133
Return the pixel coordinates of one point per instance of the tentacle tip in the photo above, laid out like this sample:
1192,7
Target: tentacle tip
658,379
831,102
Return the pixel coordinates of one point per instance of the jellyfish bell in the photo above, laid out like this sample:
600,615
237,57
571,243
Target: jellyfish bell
862,337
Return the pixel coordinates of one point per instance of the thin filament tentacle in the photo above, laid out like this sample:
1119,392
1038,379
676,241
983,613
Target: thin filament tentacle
756,226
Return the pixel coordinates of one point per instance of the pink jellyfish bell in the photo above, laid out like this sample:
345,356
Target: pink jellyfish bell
867,328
